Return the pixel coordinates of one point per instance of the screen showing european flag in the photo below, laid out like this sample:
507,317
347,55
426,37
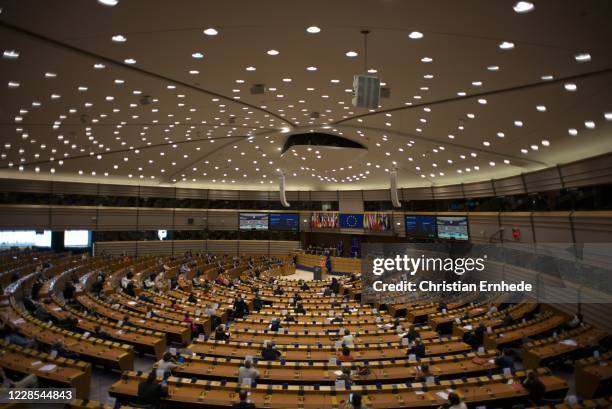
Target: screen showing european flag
351,221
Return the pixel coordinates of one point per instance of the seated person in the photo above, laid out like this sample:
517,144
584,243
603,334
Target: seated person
346,376
221,334
299,309
442,307
454,402
29,381
192,298
348,339
150,391
505,360
248,370
535,387
210,310
423,372
354,402
345,355
304,286
69,290
279,291
289,318
418,349
100,333
269,352
58,348
244,403
575,321
412,334
507,321
275,325
167,363
130,289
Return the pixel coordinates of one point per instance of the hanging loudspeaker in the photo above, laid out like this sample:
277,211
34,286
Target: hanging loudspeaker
394,197
281,187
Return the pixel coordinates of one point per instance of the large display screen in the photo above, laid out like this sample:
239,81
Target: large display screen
351,221
420,226
253,221
25,238
453,227
77,238
284,221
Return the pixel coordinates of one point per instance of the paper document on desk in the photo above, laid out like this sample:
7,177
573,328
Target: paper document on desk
338,373
36,363
48,368
569,342
443,395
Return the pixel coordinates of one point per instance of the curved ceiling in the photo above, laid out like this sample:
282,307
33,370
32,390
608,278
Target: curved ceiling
139,93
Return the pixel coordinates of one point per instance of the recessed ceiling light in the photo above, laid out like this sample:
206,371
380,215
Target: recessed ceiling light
482,101
211,31
415,35
272,52
372,71
250,68
572,131
13,84
194,72
518,123
589,124
570,86
541,108
506,45
198,55
547,77
119,38
286,79
313,30
426,59
351,54
129,61
99,66
477,83
311,68
525,151
461,93
50,75
500,134
10,54
608,116
493,68
545,143
109,3
523,7
582,57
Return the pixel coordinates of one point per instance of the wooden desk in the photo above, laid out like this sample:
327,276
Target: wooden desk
538,352
66,374
515,333
451,366
485,390
592,375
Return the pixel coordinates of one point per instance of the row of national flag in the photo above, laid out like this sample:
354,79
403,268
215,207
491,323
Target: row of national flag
331,220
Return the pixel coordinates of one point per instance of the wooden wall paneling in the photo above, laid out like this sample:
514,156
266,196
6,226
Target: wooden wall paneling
479,189
543,180
448,192
592,227
509,186
592,171
73,218
223,220
117,218
482,226
155,219
20,217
